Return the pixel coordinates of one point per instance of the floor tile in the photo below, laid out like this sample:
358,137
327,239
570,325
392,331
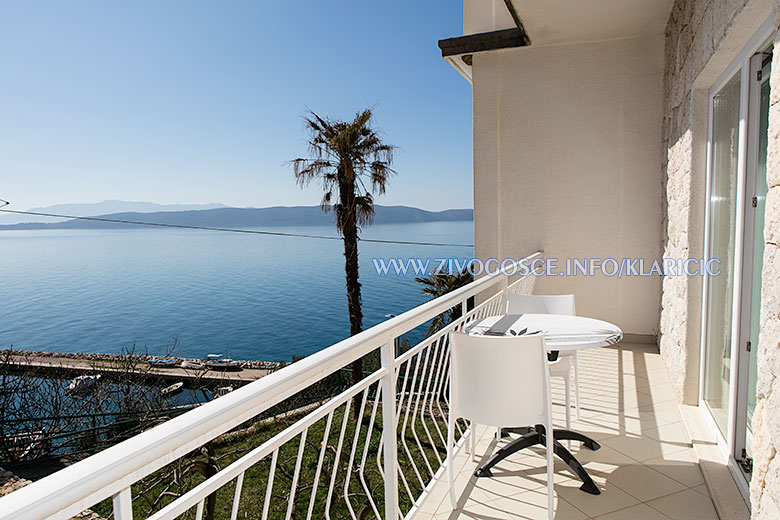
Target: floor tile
643,482
611,498
660,393
686,505
671,433
632,422
467,496
681,466
476,509
605,459
637,512
643,448
655,374
527,473
533,505
667,410
512,479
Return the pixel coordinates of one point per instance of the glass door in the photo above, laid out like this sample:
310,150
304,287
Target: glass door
724,166
753,259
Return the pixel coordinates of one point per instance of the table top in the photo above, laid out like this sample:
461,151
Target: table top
561,332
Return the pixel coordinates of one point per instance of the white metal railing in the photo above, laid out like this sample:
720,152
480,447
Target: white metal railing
405,399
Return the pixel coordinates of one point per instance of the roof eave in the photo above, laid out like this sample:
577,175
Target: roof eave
459,51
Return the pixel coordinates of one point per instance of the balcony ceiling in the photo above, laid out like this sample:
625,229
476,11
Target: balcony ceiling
551,22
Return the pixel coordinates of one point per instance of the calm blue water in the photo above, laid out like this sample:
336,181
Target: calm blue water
251,296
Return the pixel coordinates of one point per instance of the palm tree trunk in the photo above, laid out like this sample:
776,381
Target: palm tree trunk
349,228
353,285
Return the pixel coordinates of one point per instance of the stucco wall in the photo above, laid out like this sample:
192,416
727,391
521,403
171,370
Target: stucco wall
567,159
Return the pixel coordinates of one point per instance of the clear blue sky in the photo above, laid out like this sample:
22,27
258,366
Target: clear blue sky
201,101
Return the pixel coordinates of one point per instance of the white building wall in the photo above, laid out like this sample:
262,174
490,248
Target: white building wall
485,15
567,159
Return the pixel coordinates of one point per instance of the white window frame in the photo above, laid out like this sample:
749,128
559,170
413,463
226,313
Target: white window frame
741,65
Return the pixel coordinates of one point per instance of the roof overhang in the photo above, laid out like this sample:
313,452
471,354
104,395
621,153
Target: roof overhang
551,22
459,51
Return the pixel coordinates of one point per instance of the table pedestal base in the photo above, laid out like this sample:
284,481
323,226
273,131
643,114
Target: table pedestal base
537,435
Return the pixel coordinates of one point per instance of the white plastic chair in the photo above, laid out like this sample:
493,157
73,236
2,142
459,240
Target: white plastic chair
553,304
500,381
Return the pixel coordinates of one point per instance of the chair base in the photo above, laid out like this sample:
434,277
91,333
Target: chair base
536,435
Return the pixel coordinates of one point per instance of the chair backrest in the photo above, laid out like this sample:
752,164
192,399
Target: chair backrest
499,381
541,304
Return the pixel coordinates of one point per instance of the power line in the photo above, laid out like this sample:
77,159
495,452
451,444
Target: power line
224,230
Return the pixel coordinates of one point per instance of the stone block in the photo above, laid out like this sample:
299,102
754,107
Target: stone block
772,216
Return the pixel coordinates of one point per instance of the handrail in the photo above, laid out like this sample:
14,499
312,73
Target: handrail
111,472
189,499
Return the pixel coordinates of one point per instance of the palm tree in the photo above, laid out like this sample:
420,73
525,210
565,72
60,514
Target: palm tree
352,164
435,285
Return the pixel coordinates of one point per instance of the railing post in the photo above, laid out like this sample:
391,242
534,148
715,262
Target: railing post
389,432
123,505
504,291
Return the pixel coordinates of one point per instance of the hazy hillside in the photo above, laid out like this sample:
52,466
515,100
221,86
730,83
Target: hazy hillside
91,209
252,217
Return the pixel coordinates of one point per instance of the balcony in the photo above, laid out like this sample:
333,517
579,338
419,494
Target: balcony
331,458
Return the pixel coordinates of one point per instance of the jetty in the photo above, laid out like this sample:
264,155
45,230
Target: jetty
71,365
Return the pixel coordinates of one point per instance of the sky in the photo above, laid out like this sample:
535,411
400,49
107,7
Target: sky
192,102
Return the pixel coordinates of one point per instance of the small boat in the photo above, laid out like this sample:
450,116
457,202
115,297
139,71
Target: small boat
175,388
193,365
25,445
82,384
222,364
223,390
217,362
162,362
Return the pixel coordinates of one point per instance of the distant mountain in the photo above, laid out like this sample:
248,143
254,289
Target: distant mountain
251,217
99,208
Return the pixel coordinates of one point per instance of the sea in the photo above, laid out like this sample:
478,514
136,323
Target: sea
247,296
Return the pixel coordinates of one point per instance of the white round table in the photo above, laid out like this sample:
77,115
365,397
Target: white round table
561,332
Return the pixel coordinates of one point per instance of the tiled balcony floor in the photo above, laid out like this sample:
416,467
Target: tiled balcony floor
646,468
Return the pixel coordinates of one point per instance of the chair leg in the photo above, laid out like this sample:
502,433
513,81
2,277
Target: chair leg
567,390
473,441
450,472
550,469
468,432
577,384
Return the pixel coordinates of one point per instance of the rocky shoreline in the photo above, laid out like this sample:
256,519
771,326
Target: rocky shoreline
85,356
